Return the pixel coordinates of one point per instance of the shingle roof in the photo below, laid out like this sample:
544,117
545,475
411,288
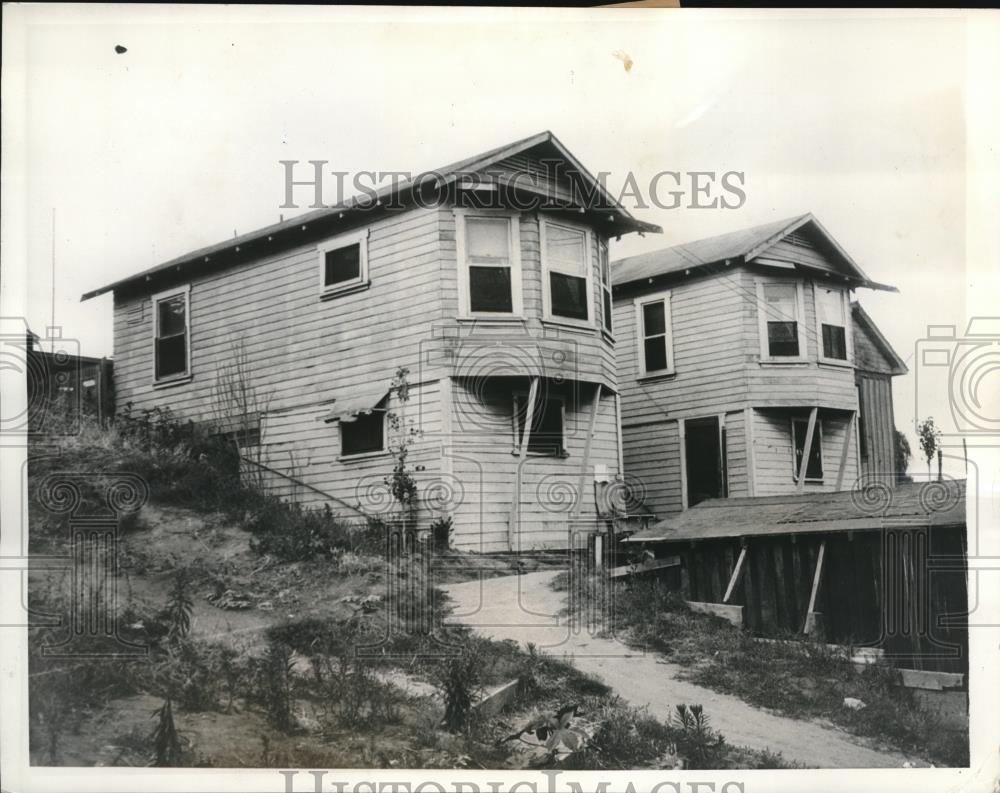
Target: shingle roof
443,175
704,251
740,245
911,504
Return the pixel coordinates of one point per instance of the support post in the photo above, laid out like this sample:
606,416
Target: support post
843,452
515,503
810,621
581,477
807,450
682,441
737,572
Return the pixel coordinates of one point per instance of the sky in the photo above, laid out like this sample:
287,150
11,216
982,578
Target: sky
859,118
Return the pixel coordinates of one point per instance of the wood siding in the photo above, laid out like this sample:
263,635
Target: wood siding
484,463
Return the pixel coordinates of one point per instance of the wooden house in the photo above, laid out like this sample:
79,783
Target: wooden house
488,280
740,361
879,569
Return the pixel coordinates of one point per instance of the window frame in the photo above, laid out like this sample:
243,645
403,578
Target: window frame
464,297
817,438
607,295
640,335
155,301
516,423
547,313
347,456
800,321
845,307
359,237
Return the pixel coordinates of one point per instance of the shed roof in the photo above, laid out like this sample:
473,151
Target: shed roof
734,246
447,174
908,505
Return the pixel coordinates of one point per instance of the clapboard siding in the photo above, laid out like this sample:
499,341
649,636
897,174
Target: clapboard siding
774,455
708,352
736,454
484,463
295,343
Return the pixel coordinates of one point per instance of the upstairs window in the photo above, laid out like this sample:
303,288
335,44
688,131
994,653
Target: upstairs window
490,270
831,313
171,351
364,434
606,302
781,319
654,334
546,437
343,263
566,265
814,470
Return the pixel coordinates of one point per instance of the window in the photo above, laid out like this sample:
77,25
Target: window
654,334
343,263
606,303
831,315
814,470
566,265
364,434
546,436
779,306
170,332
490,268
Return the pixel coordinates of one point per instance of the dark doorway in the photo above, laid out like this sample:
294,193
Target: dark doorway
704,456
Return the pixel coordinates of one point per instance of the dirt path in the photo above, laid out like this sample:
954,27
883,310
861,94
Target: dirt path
524,608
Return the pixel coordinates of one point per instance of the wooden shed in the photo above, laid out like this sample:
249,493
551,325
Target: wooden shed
878,567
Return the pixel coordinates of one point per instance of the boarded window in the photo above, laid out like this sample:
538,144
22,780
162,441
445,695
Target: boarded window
364,434
831,305
655,335
781,307
342,265
566,261
546,435
171,348
814,470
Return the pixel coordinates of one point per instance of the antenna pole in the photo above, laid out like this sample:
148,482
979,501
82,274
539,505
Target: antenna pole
53,324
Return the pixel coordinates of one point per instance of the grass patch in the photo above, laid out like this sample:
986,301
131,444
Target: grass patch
795,677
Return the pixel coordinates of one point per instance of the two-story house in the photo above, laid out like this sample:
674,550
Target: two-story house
488,280
740,362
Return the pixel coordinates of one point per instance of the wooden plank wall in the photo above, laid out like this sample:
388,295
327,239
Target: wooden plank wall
876,590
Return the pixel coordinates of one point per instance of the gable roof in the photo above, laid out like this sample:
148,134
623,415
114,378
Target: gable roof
908,505
867,325
735,247
439,177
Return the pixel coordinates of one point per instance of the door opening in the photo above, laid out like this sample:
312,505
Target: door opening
705,458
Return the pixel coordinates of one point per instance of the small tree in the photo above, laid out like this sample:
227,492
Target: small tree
402,486
238,405
901,454
930,440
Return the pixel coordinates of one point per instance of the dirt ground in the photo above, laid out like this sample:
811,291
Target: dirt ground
526,609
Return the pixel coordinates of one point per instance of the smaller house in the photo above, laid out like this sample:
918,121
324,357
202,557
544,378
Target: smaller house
745,369
81,384
877,567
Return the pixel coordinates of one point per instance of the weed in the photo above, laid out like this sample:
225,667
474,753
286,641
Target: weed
179,607
166,744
